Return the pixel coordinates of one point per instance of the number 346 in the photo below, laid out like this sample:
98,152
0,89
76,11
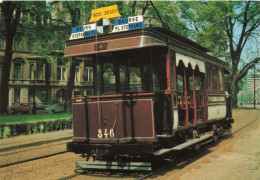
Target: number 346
105,133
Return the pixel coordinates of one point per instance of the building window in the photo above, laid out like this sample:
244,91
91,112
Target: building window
32,69
30,95
16,95
18,44
40,71
88,74
60,95
44,95
2,43
77,94
17,71
62,73
77,73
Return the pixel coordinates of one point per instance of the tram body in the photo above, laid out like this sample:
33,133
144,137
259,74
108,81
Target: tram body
153,89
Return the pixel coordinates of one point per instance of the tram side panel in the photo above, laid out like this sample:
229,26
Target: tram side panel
216,107
113,121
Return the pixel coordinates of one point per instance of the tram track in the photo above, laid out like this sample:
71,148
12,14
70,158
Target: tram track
183,159
32,159
39,148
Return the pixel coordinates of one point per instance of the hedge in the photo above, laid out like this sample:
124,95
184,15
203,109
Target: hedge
31,128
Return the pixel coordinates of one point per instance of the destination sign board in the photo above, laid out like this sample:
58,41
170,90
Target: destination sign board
130,23
83,31
102,24
105,12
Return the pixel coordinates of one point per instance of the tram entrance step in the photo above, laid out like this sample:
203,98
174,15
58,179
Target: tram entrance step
103,165
183,145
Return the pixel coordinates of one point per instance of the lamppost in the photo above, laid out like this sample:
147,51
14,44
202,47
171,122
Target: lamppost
254,86
34,104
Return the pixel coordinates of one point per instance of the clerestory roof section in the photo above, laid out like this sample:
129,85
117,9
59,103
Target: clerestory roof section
139,38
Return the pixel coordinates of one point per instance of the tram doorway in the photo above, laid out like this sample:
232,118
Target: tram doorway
191,95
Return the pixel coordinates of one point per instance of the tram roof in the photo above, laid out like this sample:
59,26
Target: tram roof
134,39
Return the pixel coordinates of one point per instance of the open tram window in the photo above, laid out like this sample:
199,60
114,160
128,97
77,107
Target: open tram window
159,72
220,80
135,79
142,70
214,78
109,80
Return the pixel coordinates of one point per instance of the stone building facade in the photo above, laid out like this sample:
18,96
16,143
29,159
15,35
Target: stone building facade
30,72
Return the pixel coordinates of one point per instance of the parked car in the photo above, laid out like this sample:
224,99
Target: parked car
42,106
55,108
20,108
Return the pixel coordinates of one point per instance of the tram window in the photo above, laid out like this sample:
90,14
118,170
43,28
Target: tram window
159,72
135,79
122,75
180,83
198,83
109,80
131,71
191,83
208,78
220,80
214,78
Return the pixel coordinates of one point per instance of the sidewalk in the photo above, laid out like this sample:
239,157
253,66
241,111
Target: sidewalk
35,139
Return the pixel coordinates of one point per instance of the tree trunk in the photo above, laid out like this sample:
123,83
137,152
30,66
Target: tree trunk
70,87
234,86
4,91
11,24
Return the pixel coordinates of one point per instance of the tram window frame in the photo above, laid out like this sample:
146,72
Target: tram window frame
214,78
180,83
208,78
220,79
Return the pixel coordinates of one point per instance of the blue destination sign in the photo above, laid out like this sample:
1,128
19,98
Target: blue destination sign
130,23
84,31
123,24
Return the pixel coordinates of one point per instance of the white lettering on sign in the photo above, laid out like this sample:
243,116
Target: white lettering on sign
77,35
130,23
135,19
89,27
119,28
105,133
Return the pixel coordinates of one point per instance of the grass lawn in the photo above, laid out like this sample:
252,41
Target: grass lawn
12,119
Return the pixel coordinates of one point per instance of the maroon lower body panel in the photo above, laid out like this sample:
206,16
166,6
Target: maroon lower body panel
112,121
79,121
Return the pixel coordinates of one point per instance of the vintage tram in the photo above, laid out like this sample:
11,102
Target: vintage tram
155,92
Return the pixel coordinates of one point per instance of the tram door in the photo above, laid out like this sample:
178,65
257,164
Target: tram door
190,95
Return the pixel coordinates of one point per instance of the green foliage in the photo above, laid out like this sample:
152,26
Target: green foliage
204,21
246,98
31,118
38,127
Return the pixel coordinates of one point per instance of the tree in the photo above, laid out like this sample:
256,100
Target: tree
11,13
225,28
33,25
